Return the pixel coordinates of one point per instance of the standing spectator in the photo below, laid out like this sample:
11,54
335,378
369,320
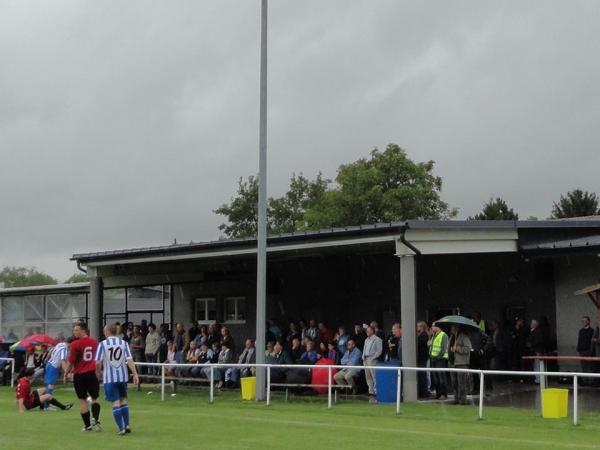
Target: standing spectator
518,339
359,335
212,334
144,328
479,321
536,345
379,333
499,347
180,339
422,359
584,345
342,340
371,354
395,344
193,331
460,355
352,357
137,345
165,336
296,350
152,348
438,358
303,329
310,355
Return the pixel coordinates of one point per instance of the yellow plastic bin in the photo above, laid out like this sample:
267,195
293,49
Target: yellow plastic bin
248,388
555,403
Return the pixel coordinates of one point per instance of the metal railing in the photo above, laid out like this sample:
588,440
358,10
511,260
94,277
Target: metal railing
482,374
11,361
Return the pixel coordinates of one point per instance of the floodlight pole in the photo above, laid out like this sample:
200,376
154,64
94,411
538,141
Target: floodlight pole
261,266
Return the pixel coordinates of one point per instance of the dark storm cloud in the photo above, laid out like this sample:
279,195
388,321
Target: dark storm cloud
125,123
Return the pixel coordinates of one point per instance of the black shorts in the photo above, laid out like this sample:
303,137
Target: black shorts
36,400
86,384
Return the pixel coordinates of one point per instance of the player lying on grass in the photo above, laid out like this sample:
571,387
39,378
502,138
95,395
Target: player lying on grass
112,358
29,400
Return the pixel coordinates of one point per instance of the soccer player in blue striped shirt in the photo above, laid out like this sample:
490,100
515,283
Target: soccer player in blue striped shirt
112,358
57,361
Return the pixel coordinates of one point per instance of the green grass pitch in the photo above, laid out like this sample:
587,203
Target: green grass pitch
188,421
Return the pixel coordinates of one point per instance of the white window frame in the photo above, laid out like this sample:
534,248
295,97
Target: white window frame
205,300
237,299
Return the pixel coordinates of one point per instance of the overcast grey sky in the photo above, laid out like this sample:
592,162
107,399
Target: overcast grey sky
125,123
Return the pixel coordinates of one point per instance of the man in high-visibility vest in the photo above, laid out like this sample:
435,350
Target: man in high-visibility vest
438,357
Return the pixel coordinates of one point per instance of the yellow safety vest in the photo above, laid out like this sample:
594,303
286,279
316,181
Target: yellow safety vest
482,325
436,345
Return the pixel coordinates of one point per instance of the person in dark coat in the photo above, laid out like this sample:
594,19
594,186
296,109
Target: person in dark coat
422,359
584,345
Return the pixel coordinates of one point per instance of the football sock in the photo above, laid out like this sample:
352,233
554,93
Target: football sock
86,419
118,417
57,403
96,411
125,414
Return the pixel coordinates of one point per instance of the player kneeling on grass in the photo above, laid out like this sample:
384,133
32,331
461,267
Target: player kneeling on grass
29,400
112,359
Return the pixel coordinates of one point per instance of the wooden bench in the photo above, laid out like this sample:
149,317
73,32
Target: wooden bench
334,388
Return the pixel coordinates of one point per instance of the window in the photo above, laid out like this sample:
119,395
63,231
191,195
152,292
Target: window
206,309
235,309
148,298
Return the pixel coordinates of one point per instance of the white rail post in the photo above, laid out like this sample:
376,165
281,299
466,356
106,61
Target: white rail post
398,390
481,393
268,385
162,382
12,373
575,386
542,382
212,384
329,387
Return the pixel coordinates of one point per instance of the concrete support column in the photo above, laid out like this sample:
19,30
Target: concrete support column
95,306
408,313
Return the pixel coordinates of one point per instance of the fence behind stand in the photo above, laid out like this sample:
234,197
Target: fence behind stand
482,374
11,361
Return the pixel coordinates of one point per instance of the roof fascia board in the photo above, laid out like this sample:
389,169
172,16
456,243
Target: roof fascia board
245,251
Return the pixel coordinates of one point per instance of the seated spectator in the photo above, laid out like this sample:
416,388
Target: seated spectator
171,359
222,374
312,332
352,357
293,333
213,358
248,356
226,338
296,350
269,351
310,355
204,357
325,333
192,355
342,339
332,352
279,357
202,336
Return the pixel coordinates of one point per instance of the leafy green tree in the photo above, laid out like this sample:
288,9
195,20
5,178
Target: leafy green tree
576,203
77,278
24,276
496,209
284,214
386,187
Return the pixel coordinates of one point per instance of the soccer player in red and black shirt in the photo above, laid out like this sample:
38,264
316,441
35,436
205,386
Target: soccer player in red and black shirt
83,365
29,400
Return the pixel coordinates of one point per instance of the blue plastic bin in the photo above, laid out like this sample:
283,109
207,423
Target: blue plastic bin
386,382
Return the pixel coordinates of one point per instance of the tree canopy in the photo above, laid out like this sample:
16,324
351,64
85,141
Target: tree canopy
24,276
78,277
385,187
576,203
496,209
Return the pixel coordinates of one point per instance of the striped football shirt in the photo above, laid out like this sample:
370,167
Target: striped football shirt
59,354
114,353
